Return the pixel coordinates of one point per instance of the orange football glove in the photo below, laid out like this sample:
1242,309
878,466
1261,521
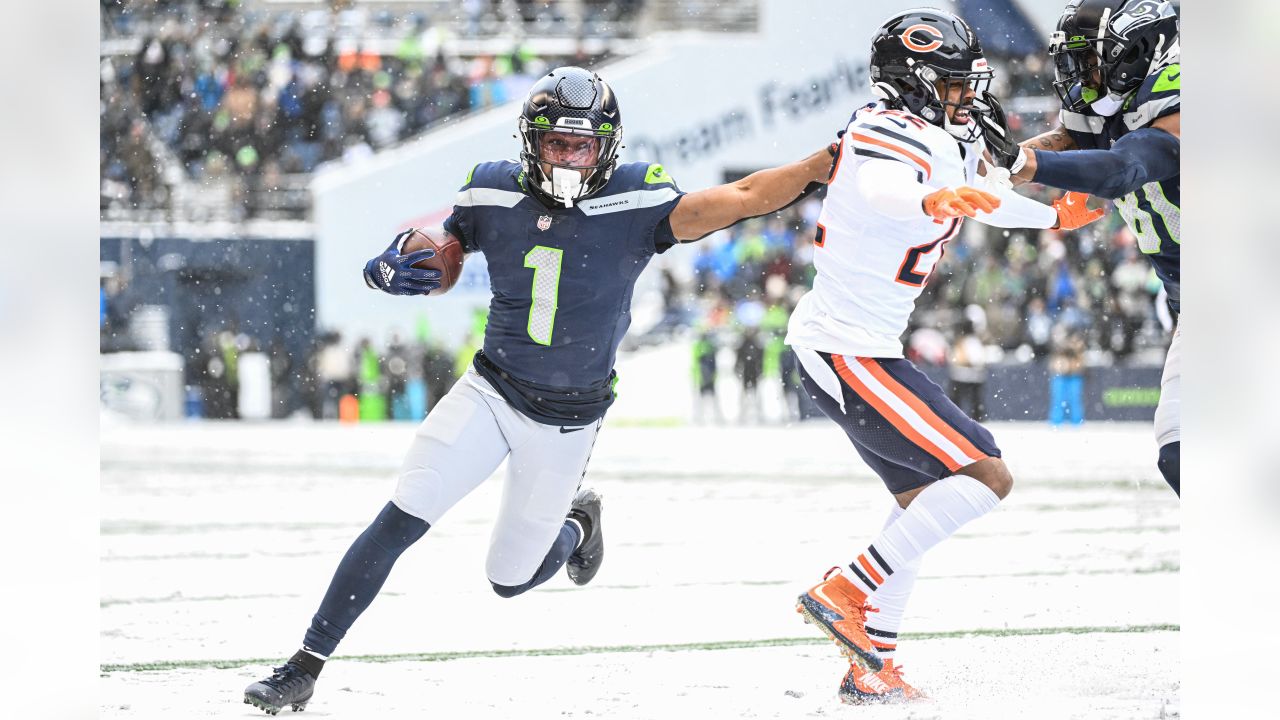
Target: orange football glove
1072,212
947,203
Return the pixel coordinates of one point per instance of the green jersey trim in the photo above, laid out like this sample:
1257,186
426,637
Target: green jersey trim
657,176
1169,79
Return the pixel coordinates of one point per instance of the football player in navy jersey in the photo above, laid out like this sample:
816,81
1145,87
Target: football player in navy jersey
566,232
1119,78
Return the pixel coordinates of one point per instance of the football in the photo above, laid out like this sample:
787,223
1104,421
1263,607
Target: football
448,258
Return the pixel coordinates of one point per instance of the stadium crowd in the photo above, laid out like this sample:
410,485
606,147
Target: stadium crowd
206,93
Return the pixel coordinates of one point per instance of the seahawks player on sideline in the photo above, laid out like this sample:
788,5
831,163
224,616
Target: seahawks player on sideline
1118,75
566,232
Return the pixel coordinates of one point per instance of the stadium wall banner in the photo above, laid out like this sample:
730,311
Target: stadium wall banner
1021,392
700,103
191,287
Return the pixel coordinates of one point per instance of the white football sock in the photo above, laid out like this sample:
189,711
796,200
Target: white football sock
890,601
933,516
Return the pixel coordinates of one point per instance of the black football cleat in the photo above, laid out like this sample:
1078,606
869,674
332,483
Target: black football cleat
585,562
292,685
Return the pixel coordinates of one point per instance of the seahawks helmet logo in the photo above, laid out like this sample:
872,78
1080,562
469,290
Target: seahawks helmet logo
1139,13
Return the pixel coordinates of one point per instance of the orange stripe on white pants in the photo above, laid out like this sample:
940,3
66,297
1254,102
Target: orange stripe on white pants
903,416
891,414
921,409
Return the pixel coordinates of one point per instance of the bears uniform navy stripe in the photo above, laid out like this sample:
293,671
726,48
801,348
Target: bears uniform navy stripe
866,580
863,142
873,154
884,565
924,149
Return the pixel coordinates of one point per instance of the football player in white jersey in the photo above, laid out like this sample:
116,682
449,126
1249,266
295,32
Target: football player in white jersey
1118,74
902,185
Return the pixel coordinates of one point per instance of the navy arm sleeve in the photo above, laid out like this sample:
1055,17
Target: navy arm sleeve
665,194
1140,157
459,225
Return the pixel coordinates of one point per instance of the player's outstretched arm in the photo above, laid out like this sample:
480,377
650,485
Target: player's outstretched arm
1068,212
1056,140
893,189
705,211
1009,157
1142,156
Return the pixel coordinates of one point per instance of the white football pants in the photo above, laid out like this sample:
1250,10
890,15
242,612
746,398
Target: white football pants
463,440
1168,425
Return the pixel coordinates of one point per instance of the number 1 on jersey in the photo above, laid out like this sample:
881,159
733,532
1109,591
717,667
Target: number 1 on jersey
545,262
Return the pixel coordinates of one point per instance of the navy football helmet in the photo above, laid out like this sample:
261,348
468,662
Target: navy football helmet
577,102
1123,40
914,51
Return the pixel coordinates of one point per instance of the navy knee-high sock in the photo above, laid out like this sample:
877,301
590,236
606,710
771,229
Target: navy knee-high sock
1170,465
566,542
360,576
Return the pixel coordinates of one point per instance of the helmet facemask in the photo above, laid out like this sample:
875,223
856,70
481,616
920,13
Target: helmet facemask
939,94
1079,77
580,159
582,111
930,62
1106,56
956,95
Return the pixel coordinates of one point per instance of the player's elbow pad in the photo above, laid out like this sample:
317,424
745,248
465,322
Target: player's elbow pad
1146,155
1121,175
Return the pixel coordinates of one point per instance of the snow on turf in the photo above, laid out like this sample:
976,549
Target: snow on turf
219,539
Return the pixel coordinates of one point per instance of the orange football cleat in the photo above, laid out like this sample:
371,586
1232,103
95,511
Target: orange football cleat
864,687
838,608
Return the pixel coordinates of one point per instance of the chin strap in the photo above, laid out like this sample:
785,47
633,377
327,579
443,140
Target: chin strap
964,133
1108,105
564,186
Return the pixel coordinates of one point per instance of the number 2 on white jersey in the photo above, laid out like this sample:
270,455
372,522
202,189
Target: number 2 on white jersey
907,273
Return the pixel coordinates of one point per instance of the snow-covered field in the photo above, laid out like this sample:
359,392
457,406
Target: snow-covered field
219,539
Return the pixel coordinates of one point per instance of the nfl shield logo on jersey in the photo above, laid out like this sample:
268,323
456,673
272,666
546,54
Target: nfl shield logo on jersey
544,222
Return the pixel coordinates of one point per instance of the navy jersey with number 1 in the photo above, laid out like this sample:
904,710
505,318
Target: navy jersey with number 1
562,280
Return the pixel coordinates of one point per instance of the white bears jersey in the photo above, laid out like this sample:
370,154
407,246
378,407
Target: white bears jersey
872,266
